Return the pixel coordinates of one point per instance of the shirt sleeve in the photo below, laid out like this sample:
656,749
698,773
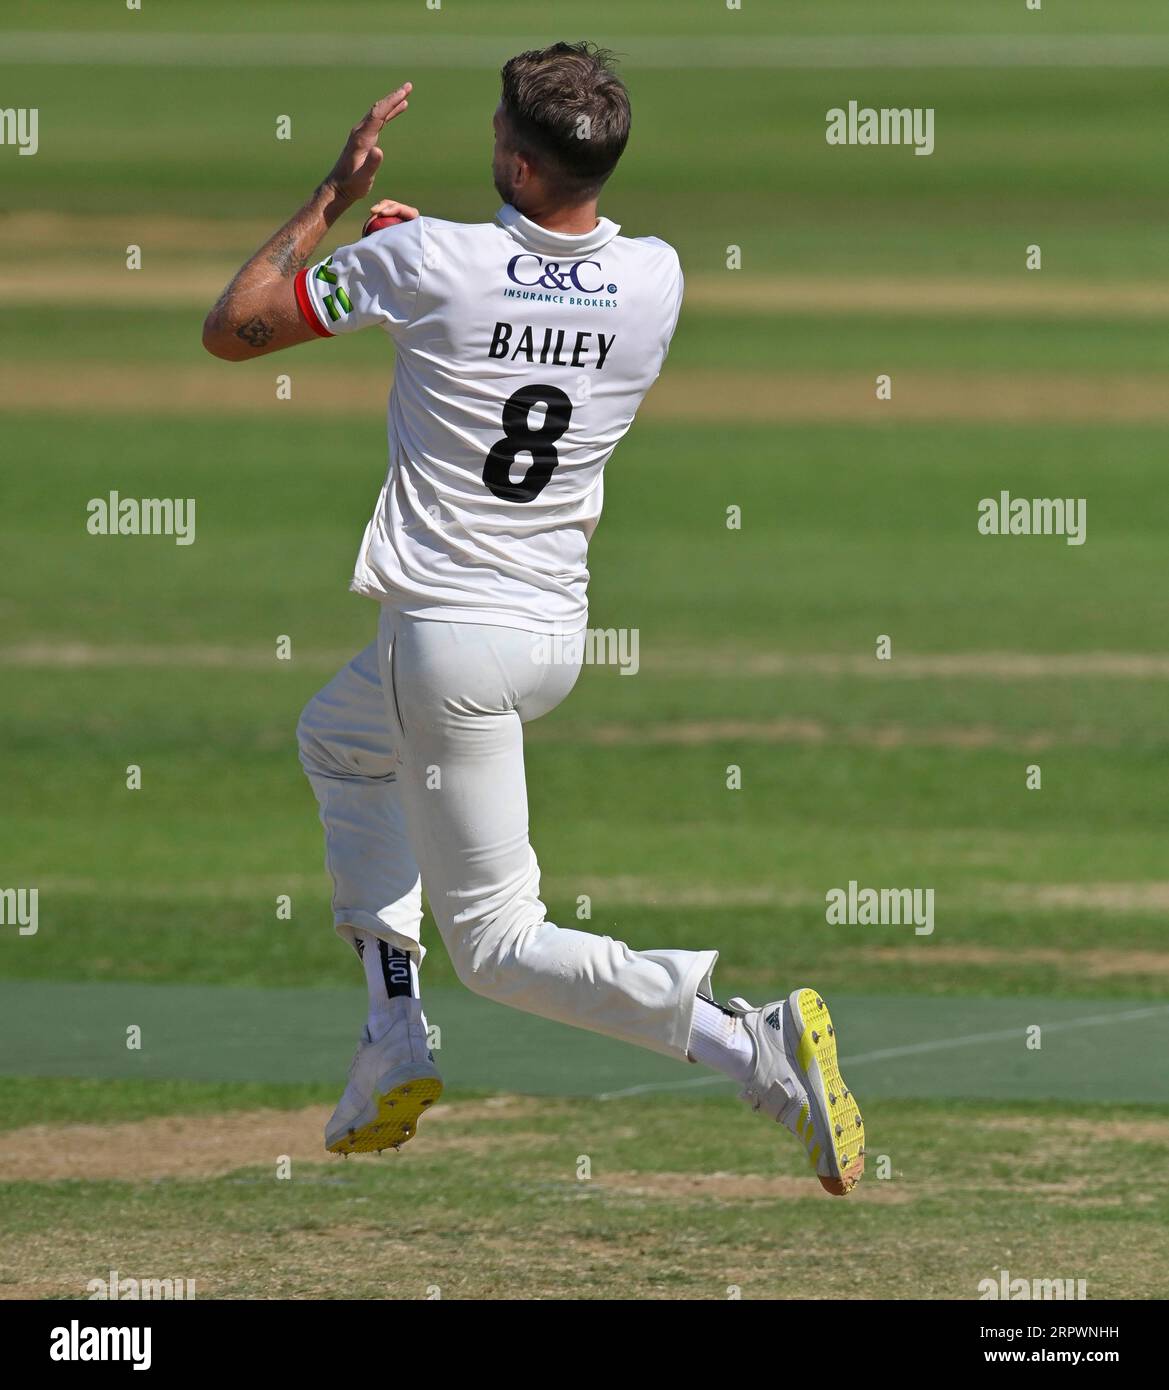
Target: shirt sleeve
670,286
372,283
679,291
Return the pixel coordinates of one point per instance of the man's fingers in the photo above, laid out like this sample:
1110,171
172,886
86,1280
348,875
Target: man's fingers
391,103
395,111
390,208
361,158
366,130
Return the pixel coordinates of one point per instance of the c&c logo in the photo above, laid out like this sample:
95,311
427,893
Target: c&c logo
533,271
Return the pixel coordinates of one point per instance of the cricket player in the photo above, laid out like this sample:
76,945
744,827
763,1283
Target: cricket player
523,347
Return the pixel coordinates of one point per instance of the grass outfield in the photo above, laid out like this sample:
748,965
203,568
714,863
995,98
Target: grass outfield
682,1200
157,907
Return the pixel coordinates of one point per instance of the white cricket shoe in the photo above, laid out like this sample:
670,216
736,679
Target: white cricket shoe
797,1082
391,1082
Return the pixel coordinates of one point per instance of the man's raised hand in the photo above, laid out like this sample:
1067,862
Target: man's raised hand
357,165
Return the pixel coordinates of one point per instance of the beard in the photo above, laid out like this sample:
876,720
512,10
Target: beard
503,187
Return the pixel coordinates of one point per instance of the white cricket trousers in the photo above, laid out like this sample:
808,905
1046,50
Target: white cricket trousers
415,753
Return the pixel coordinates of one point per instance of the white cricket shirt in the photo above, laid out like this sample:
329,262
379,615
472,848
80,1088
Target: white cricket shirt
522,356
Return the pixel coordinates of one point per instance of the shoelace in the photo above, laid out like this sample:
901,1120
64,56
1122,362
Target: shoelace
794,1099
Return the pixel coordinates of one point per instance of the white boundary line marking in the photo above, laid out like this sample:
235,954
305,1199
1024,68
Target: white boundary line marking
665,1086
1003,1035
912,1049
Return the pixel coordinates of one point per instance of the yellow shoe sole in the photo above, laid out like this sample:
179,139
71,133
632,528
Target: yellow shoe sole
396,1120
818,1057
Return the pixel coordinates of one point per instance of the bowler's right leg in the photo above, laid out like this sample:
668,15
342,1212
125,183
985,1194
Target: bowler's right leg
347,751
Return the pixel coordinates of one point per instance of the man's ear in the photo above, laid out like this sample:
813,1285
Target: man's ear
523,170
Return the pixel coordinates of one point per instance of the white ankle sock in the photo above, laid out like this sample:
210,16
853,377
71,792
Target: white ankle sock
719,1040
390,974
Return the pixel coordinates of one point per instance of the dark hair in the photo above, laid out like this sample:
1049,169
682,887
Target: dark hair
566,105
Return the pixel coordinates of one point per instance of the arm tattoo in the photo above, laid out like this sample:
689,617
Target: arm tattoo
256,332
285,256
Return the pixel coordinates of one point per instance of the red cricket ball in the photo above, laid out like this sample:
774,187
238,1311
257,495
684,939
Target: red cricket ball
379,220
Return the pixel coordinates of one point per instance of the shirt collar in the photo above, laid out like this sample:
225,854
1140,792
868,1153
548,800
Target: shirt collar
539,238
